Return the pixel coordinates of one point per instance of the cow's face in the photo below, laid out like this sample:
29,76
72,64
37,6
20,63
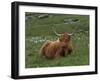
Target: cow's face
65,37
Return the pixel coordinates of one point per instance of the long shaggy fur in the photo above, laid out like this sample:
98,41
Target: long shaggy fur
55,49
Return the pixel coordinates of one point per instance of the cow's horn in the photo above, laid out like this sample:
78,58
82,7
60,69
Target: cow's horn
70,34
56,32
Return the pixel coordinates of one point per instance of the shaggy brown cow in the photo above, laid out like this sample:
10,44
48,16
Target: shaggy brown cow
55,49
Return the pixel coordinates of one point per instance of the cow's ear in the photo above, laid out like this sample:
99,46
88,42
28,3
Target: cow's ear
61,38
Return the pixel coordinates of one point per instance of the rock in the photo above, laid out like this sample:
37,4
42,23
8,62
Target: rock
70,21
43,16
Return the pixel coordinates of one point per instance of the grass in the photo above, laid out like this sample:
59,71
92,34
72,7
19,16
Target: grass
38,30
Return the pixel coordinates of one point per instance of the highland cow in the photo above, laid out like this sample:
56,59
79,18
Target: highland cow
55,49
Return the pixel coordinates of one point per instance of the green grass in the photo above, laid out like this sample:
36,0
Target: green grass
39,30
